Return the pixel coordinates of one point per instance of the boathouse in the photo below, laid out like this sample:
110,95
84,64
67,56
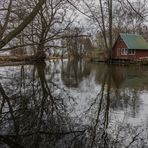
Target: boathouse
130,47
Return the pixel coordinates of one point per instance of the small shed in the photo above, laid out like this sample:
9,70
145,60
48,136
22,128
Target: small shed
130,46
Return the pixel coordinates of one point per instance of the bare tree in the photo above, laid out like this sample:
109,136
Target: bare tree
47,28
6,39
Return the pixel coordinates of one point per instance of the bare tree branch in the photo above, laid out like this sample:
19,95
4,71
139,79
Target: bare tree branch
26,21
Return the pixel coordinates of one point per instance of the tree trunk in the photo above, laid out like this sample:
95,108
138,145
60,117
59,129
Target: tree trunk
110,28
26,21
40,55
103,25
6,20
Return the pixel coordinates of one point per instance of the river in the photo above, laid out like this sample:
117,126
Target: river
73,104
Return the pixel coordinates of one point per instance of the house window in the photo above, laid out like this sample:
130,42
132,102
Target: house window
131,52
125,51
122,51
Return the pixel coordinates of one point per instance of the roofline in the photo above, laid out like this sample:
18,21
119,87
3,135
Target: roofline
130,34
115,42
133,35
123,40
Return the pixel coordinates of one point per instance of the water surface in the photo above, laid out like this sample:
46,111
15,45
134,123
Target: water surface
73,104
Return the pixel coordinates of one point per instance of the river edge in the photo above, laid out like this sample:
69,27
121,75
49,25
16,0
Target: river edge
16,60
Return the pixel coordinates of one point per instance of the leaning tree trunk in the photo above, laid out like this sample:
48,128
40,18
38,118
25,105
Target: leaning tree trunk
25,22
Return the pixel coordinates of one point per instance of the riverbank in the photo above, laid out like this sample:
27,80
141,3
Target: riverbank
7,58
11,60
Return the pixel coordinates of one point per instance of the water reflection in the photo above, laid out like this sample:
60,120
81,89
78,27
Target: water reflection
74,71
73,104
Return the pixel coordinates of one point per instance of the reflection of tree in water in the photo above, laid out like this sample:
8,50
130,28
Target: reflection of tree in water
111,98
33,115
122,96
74,71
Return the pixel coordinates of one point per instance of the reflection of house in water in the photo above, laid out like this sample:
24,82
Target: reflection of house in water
137,77
132,77
121,86
125,76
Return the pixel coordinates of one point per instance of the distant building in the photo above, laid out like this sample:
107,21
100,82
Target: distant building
130,46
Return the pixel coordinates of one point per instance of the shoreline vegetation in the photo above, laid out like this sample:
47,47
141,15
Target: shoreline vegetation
9,60
17,60
25,59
